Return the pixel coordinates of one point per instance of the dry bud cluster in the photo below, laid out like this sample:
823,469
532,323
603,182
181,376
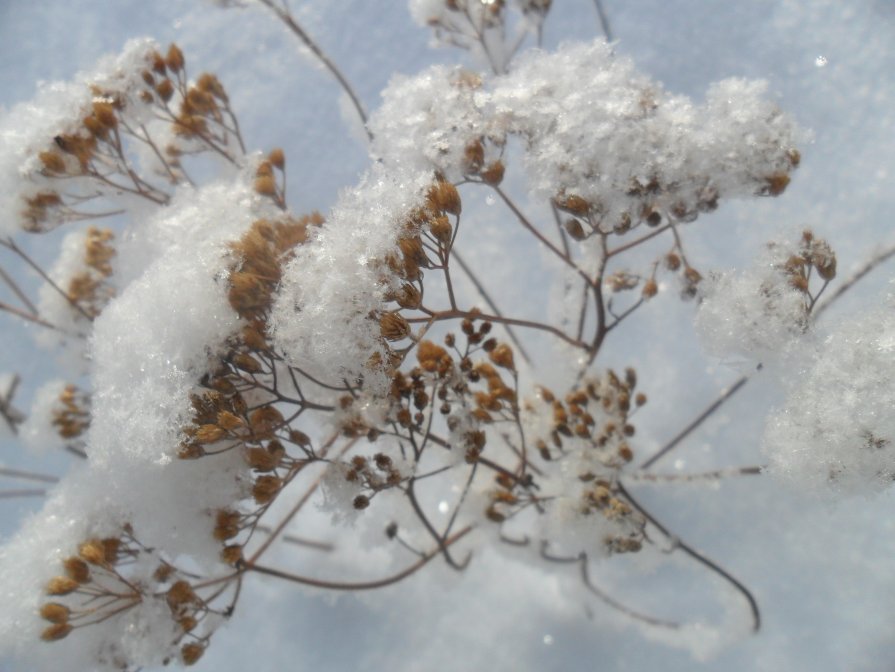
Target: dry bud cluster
254,359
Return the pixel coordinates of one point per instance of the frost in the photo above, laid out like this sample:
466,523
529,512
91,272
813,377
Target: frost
322,315
38,431
29,128
836,428
429,120
145,369
599,130
755,313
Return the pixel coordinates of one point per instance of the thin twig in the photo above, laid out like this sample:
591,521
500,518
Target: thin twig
700,558
604,20
361,585
286,17
480,288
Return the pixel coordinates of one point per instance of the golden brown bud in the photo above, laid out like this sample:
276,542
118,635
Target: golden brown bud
77,570
277,158
191,653
444,196
55,612
92,551
61,585
56,632
493,174
502,356
393,327
174,58
165,90
209,434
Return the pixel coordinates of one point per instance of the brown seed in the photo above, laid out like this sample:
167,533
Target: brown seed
165,90
179,594
231,554
444,196
209,434
775,184
56,632
191,653
393,327
474,156
441,229
502,356
247,363
77,570
493,174
573,204
265,185
266,489
105,114
573,228
92,551
361,502
52,162
277,158
55,612
174,58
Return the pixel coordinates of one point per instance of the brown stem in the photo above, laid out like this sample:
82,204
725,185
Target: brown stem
286,18
361,585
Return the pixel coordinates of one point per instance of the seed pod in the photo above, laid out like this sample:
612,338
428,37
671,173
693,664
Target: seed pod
105,114
502,356
56,632
52,162
266,489
265,185
409,297
209,434
61,585
277,158
191,653
179,594
247,363
165,90
573,204
393,327
55,612
444,196
77,570
775,184
493,174
474,156
361,502
174,58
231,554
92,551
260,459
441,229
650,289
299,438
573,228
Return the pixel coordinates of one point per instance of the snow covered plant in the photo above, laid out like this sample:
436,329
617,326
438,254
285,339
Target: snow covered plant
228,359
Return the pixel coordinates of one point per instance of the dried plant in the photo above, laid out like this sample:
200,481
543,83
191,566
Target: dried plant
259,358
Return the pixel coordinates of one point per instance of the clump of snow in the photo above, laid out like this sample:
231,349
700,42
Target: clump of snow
38,432
756,312
150,347
29,128
321,319
427,121
836,428
598,129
